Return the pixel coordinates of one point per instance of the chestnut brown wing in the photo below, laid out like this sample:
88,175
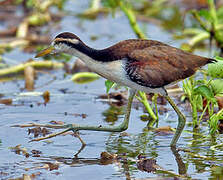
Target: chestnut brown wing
157,66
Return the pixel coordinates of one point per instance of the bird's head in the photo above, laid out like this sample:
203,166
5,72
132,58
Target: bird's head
64,42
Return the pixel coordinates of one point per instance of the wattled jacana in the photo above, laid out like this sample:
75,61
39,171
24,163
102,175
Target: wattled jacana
144,65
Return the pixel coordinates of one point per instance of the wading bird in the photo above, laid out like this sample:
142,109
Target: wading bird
144,65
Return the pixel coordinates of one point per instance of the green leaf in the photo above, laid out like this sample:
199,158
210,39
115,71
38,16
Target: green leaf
213,123
200,81
30,3
205,91
110,3
84,77
109,85
213,13
217,86
199,102
205,14
219,58
220,13
215,70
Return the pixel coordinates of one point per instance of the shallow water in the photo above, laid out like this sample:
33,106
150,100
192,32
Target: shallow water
83,99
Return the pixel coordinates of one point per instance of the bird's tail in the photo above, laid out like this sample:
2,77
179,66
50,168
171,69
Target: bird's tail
211,61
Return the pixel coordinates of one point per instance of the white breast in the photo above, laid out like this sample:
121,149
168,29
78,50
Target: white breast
114,71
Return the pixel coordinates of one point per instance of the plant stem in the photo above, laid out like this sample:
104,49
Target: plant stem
202,23
188,87
144,101
194,110
36,64
154,99
202,114
213,13
214,30
132,20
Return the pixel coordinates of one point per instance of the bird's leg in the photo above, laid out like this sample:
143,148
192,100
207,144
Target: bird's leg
83,144
132,93
75,127
122,127
181,121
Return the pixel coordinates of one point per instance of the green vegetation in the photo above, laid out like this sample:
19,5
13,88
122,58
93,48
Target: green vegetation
209,25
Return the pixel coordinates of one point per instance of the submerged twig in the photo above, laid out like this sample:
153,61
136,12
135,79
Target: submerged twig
42,125
68,128
50,136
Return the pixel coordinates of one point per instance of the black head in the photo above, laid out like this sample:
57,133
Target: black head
66,41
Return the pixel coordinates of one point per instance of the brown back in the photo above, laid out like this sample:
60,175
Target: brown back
160,65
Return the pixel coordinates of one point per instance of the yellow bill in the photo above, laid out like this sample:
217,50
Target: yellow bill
45,51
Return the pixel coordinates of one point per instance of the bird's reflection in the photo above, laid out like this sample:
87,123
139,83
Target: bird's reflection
127,149
181,165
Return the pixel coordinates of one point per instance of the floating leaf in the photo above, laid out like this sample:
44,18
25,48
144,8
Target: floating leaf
84,77
215,70
109,85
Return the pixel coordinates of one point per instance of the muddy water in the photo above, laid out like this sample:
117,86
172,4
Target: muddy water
68,100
